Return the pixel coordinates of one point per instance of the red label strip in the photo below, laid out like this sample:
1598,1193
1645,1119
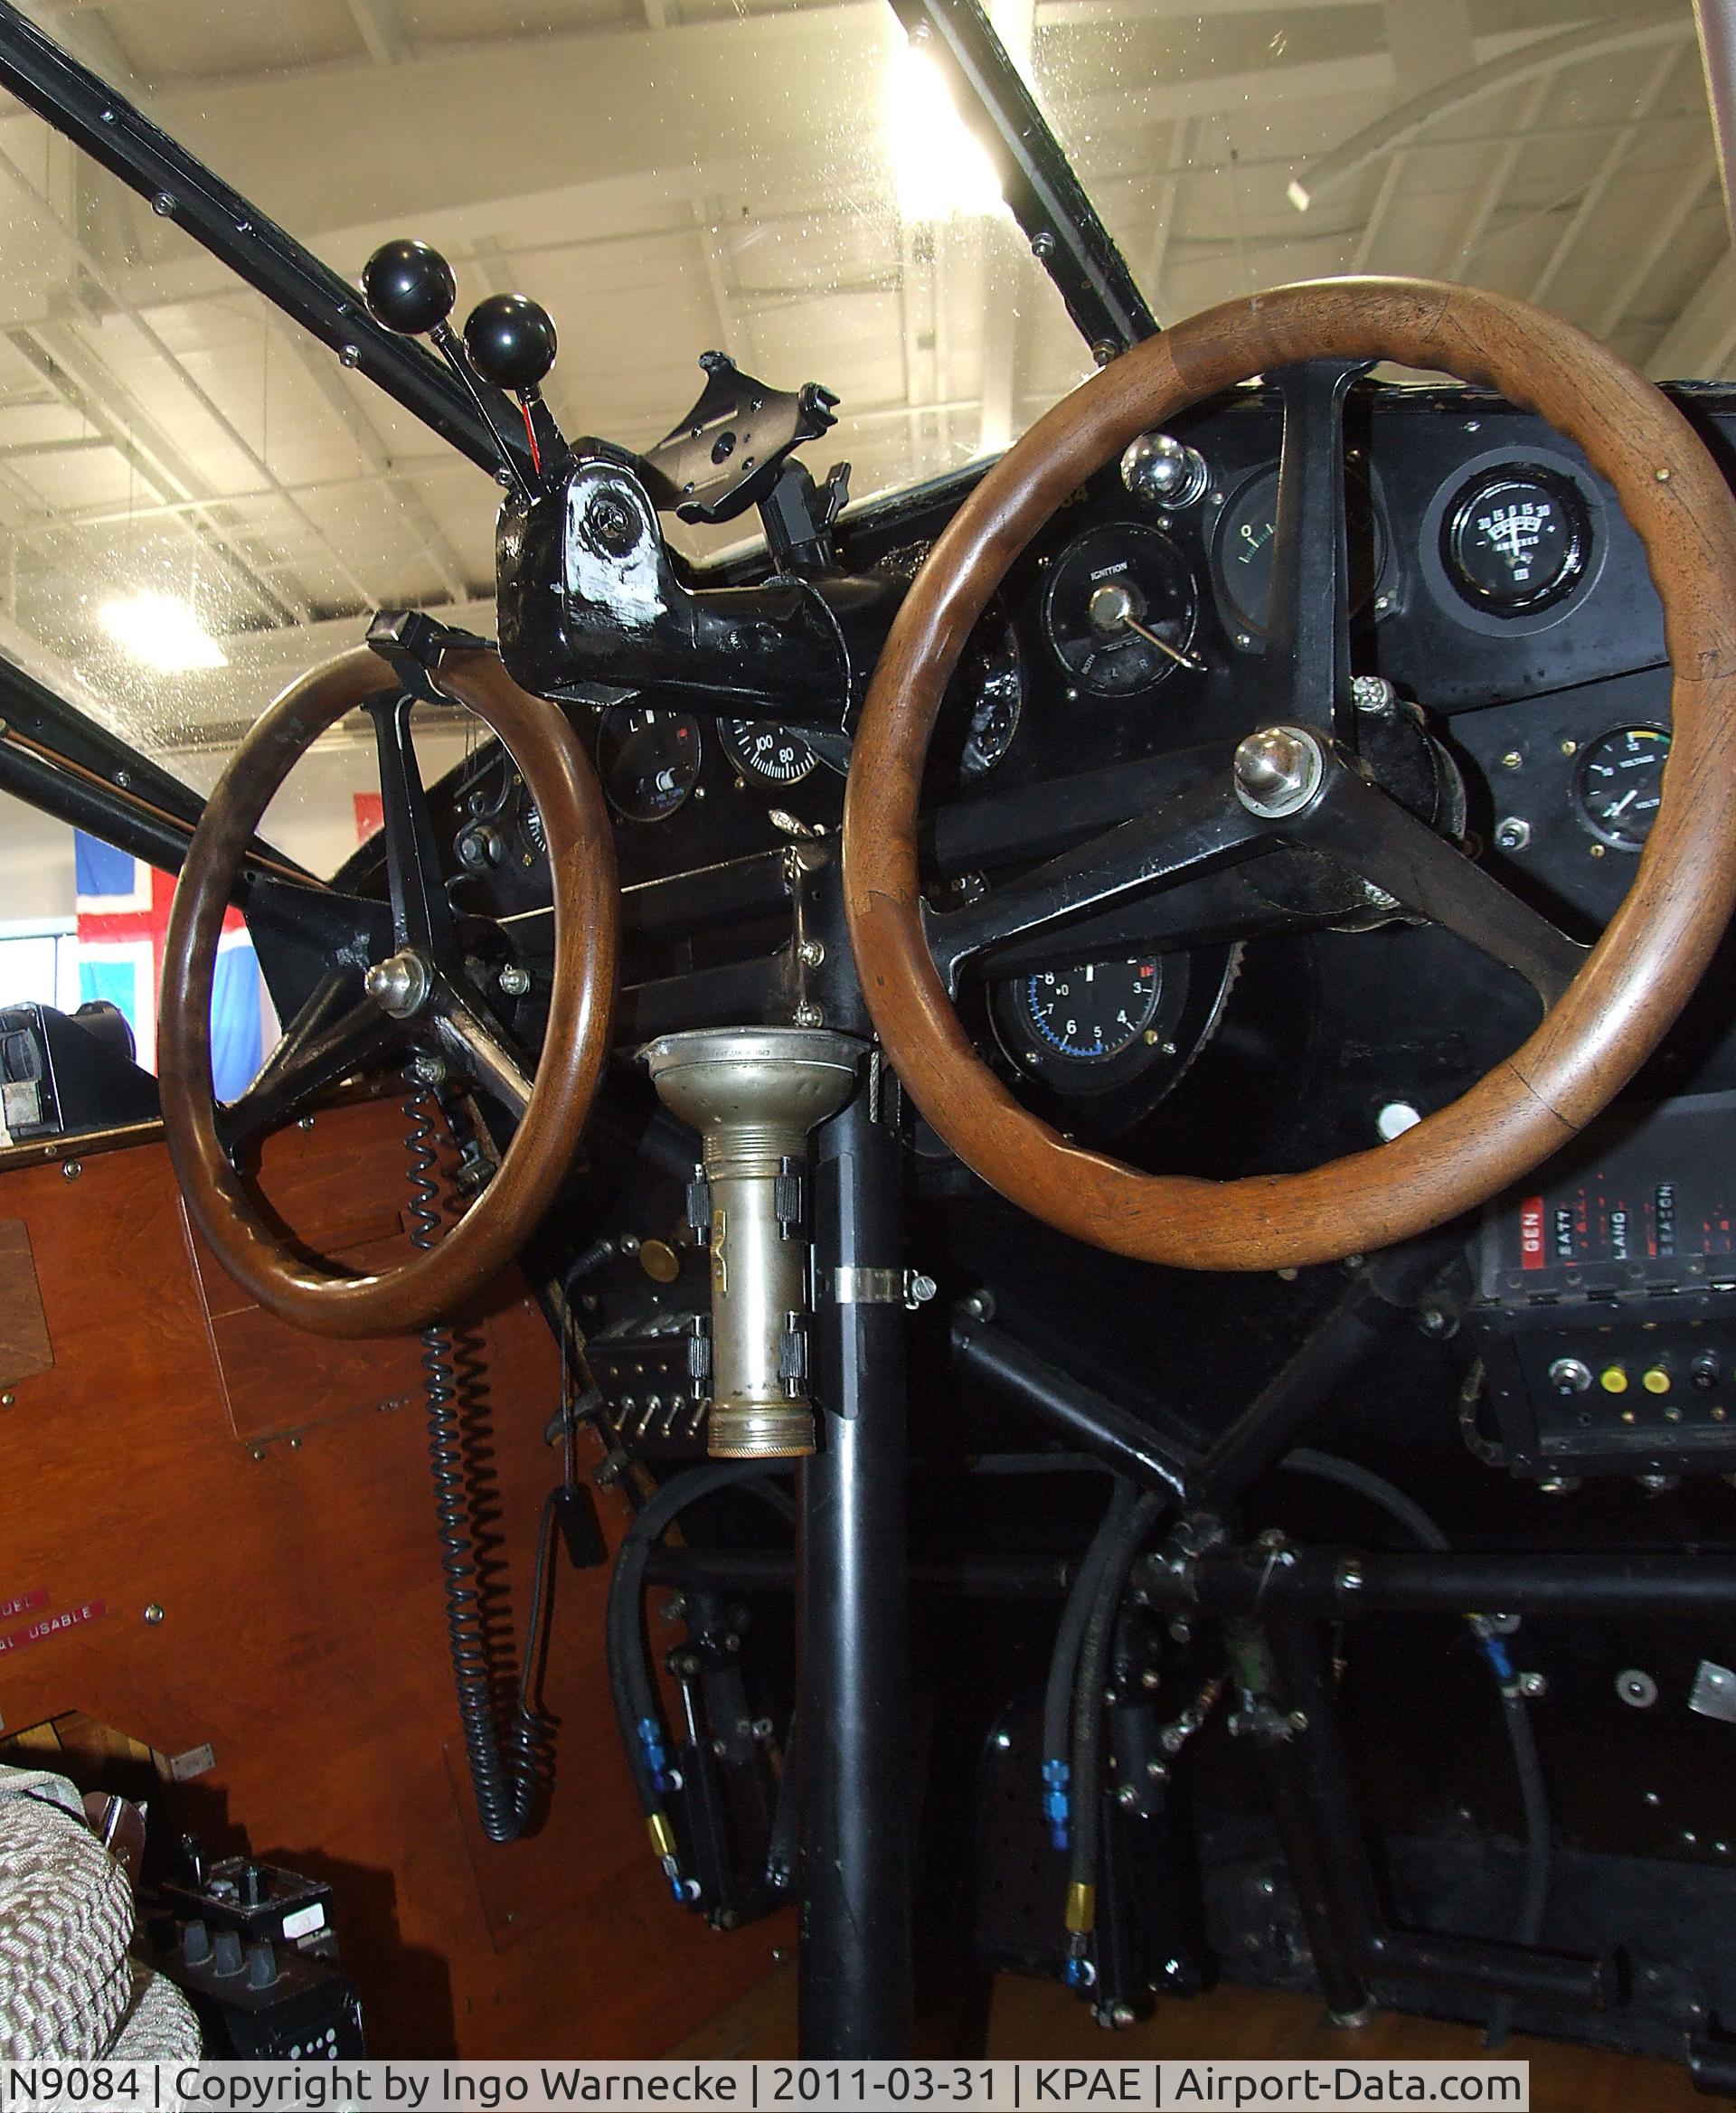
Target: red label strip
23,1603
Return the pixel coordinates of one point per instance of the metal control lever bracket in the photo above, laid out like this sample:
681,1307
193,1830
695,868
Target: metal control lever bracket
860,1287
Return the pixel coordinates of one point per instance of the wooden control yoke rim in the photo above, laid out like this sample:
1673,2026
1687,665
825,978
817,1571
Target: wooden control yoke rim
1633,983
299,1288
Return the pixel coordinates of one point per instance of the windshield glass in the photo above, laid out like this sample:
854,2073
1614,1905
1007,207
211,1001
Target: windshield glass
200,502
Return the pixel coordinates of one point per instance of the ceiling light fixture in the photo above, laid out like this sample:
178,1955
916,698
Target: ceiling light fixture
162,632
940,170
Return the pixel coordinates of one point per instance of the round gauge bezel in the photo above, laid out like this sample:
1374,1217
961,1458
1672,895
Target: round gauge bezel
1475,491
1245,629
605,772
732,738
1139,534
1030,1053
1582,804
1007,649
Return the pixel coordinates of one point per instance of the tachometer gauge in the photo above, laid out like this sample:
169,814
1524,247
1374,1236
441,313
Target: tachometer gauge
1516,538
1242,550
648,761
1619,783
1092,1012
761,749
1119,611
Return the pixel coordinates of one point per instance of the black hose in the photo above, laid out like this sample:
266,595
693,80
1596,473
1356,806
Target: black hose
1063,1662
632,1686
1533,1793
1131,1530
509,1774
1376,1488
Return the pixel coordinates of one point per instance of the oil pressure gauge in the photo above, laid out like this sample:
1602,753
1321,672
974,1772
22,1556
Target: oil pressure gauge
1619,783
1515,539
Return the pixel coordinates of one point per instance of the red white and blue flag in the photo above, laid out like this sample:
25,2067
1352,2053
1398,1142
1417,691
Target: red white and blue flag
123,913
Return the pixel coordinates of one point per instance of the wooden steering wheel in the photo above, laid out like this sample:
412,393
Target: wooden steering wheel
416,994
1301,779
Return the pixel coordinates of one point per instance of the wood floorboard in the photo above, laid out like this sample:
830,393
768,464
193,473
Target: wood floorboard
1038,2021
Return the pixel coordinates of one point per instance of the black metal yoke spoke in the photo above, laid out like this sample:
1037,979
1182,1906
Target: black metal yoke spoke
1307,638
421,915
469,1033
1184,835
1369,833
336,1034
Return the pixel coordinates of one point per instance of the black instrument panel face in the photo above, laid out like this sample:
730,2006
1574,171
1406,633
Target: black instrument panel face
1495,582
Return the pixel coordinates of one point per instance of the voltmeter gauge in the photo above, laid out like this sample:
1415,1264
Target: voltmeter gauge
764,750
648,761
1619,783
1516,538
1092,1012
1119,611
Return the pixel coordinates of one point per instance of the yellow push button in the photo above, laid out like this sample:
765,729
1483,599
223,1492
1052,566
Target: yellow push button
1655,1379
1613,1379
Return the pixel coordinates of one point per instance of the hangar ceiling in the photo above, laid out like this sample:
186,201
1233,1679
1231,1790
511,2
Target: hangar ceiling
666,175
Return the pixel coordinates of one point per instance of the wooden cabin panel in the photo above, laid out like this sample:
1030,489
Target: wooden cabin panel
301,1632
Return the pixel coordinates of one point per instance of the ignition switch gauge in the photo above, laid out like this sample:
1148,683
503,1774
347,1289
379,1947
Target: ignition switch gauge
1119,611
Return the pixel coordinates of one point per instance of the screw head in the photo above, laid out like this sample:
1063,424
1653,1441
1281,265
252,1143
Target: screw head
1512,832
611,523
163,205
514,981
154,1614
428,1070
70,1170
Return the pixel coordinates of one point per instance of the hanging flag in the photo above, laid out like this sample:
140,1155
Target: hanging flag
123,915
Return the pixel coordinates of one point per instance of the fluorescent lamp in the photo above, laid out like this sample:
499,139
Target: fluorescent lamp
940,170
164,632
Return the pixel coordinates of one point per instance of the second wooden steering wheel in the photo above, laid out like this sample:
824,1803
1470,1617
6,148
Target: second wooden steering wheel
1299,779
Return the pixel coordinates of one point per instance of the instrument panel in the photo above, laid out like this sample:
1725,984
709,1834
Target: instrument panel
1493,581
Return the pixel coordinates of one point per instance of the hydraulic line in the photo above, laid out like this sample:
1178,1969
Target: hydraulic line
632,1686
510,1776
1063,1664
1123,1544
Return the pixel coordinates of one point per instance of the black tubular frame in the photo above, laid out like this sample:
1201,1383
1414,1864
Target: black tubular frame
1041,190
80,105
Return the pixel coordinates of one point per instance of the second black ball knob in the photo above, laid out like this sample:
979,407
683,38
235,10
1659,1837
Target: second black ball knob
511,341
407,286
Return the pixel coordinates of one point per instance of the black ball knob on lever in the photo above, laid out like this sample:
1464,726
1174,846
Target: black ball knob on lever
410,290
511,342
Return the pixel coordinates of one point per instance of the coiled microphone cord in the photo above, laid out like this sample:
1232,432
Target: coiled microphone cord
510,1777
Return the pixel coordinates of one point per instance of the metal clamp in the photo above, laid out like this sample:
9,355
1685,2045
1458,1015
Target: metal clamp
906,1288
